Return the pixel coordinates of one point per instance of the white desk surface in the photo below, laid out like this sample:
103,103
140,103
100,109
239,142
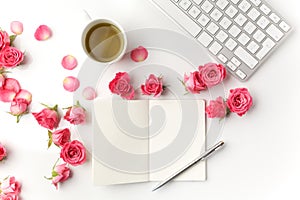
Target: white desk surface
262,156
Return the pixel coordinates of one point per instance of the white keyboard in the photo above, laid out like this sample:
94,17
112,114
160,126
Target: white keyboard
238,33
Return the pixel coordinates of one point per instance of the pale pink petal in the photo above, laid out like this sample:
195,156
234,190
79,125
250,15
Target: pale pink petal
2,80
12,84
69,62
139,54
42,33
24,94
7,95
71,83
16,27
89,93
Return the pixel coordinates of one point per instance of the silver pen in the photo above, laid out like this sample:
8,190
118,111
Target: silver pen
203,156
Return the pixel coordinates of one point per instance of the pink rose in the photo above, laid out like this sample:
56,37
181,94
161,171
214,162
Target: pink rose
120,85
193,82
4,40
18,107
61,137
10,57
47,118
73,153
2,152
216,108
10,186
153,85
212,74
9,197
239,101
75,115
60,174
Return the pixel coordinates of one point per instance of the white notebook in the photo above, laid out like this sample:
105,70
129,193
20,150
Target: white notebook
147,140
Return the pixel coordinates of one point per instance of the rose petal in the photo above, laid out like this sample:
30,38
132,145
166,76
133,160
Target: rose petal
42,33
69,62
89,93
24,94
16,27
2,80
12,84
139,54
71,83
7,95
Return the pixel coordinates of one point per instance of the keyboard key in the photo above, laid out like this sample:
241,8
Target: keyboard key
182,19
231,11
243,39
207,6
205,39
215,48
259,35
234,31
235,1
231,66
194,12
263,22
241,74
253,14
247,58
253,47
244,6
265,9
284,26
225,22
197,1
235,61
249,27
240,19
230,44
222,58
212,28
274,32
185,4
222,4
203,20
222,36
216,14
275,18
268,44
256,2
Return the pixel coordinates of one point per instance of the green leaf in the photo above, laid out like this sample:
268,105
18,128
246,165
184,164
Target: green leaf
50,139
12,38
54,173
48,178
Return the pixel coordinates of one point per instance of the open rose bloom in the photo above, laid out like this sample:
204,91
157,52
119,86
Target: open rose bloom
4,40
216,108
153,85
73,153
11,57
193,82
239,101
120,85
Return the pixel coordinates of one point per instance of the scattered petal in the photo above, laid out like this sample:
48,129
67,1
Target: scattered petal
16,27
89,93
42,33
12,84
71,83
7,95
139,54
24,94
69,62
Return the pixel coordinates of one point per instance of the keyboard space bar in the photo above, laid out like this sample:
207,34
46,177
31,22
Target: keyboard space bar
178,16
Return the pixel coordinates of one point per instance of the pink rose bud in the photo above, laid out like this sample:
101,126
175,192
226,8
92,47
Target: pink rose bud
16,27
153,85
10,186
11,57
75,114
139,54
69,62
89,93
61,137
73,153
42,33
2,152
71,84
216,108
47,118
60,174
18,107
212,74
239,101
193,82
120,85
9,197
24,94
4,40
